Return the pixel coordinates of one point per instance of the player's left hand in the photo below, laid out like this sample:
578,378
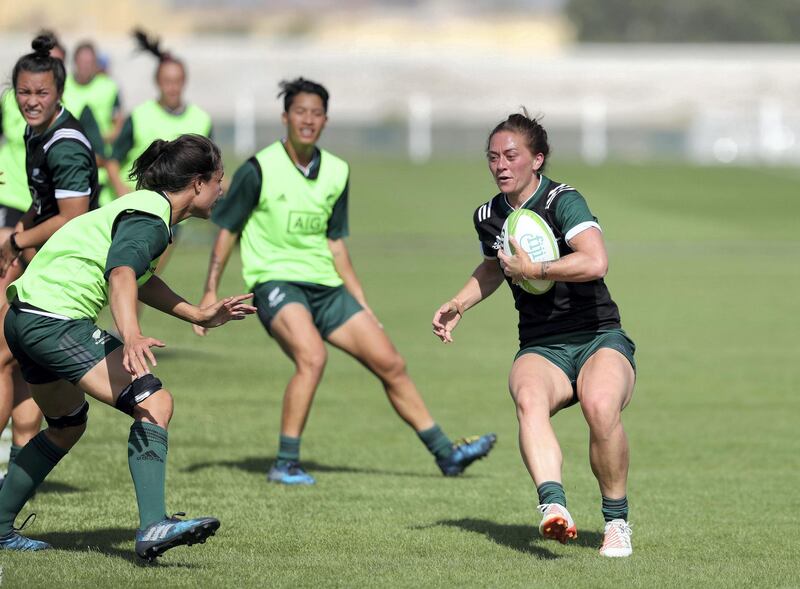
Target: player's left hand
516,266
228,309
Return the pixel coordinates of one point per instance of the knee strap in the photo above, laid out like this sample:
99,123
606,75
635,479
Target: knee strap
77,417
136,392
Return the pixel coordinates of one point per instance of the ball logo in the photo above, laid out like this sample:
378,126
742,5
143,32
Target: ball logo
533,246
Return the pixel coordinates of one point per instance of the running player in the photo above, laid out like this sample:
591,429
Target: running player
165,118
62,179
107,257
289,203
93,98
572,346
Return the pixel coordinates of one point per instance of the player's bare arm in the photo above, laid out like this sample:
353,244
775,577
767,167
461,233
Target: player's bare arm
155,293
344,267
122,294
220,253
486,278
588,261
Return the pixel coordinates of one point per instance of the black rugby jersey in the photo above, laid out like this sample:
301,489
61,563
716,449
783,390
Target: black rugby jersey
60,163
568,307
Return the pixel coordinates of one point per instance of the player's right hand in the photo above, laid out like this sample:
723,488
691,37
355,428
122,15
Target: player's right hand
445,320
136,354
208,299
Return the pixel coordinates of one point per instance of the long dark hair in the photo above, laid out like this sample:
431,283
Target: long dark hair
530,128
174,165
40,61
152,45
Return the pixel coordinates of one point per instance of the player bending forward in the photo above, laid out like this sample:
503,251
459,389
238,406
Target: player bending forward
107,257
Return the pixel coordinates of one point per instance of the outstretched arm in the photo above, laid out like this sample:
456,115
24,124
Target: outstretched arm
220,253
483,282
155,293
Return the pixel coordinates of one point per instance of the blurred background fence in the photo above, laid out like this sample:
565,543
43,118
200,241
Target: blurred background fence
422,79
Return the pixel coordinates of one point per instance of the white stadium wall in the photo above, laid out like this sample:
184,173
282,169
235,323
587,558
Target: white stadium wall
726,104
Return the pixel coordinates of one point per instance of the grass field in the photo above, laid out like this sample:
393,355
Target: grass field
705,265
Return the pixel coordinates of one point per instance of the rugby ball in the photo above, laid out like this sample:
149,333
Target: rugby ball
536,238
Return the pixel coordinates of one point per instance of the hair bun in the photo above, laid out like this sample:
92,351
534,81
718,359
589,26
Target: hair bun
42,45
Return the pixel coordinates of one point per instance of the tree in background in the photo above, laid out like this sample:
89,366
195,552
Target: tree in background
699,21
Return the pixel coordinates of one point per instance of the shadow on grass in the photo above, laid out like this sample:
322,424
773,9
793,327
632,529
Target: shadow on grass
56,488
522,538
107,542
261,464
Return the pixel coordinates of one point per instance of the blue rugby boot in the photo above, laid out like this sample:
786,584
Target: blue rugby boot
15,541
159,537
289,473
465,452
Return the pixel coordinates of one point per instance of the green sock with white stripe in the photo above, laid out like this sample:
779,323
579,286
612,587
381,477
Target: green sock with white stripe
147,459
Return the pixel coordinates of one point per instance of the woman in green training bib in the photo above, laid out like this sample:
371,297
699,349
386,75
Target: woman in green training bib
289,204
62,181
93,98
572,346
107,257
164,118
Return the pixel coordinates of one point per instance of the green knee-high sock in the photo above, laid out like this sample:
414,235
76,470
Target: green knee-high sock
147,459
615,508
551,492
288,450
12,454
436,442
32,464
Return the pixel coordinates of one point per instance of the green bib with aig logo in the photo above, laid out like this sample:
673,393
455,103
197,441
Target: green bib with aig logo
285,237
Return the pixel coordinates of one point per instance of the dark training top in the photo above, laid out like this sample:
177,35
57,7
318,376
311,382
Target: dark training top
568,307
60,163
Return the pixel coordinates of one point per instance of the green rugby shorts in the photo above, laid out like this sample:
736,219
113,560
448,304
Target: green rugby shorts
330,306
49,349
571,351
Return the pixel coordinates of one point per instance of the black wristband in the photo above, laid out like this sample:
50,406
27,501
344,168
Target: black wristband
12,239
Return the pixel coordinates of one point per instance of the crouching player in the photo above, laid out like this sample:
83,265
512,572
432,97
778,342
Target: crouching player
107,257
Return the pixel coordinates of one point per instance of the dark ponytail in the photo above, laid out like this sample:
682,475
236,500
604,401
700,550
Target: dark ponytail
530,128
40,61
173,165
152,45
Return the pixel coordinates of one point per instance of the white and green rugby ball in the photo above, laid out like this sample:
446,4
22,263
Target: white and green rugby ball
536,238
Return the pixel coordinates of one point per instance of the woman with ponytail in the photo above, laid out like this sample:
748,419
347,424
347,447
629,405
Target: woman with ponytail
164,118
573,349
62,184
107,257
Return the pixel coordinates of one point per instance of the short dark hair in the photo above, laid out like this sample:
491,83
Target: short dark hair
40,61
530,128
291,88
174,165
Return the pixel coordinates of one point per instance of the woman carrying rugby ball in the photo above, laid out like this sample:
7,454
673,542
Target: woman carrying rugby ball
572,346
